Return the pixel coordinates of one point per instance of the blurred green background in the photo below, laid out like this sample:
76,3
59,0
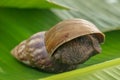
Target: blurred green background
19,19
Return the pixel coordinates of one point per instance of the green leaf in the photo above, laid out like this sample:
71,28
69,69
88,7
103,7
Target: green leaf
105,14
30,4
108,70
19,24
15,26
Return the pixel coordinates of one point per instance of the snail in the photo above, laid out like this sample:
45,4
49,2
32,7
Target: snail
61,48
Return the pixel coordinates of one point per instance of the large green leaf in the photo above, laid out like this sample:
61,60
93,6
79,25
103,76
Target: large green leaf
30,4
18,24
104,13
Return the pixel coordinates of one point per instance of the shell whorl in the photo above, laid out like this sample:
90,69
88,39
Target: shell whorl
32,51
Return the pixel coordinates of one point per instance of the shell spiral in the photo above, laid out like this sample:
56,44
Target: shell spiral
32,51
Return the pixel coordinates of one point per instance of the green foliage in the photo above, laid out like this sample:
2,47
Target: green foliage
15,26
28,17
104,13
30,4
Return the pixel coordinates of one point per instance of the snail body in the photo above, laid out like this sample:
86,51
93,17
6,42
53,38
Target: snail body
62,48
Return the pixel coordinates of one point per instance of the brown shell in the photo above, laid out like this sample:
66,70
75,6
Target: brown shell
68,30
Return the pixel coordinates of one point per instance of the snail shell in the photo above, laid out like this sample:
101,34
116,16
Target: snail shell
62,48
